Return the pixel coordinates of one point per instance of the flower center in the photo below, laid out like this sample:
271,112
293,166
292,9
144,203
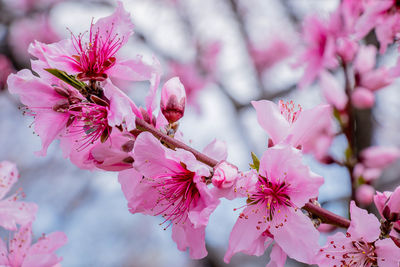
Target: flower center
177,193
97,55
288,111
271,194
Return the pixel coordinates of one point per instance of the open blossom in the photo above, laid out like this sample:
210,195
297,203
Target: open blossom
170,183
62,112
275,196
21,253
304,128
93,55
12,211
361,245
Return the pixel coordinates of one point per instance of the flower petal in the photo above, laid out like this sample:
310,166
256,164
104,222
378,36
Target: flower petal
271,120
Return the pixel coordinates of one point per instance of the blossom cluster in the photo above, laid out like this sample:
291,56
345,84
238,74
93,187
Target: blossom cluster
17,216
72,93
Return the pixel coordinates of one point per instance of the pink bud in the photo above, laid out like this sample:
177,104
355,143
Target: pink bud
388,204
326,228
365,194
173,100
225,175
379,156
362,98
346,48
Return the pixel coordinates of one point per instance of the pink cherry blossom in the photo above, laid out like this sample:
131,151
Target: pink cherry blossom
275,196
173,100
299,127
361,245
21,253
93,55
270,54
62,112
28,29
170,183
12,211
320,49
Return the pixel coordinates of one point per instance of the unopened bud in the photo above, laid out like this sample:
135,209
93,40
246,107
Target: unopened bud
173,100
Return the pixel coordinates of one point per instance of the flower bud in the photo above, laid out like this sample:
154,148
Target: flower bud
363,98
173,99
225,175
365,194
379,156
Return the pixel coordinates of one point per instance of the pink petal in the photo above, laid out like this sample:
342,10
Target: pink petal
363,226
49,125
362,98
33,91
185,236
278,257
14,212
246,237
394,201
8,176
119,23
379,156
122,108
150,158
141,196
217,150
271,120
42,253
205,205
333,92
366,59
19,245
388,253
301,130
287,235
3,253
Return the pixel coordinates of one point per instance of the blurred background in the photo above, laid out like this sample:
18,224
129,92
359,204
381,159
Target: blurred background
227,53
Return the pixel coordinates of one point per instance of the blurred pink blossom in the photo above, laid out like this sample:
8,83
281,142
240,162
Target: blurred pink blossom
20,252
270,54
12,211
29,29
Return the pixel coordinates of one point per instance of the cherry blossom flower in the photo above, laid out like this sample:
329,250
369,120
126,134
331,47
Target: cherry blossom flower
270,54
310,129
62,112
26,30
20,252
12,211
170,183
275,196
320,52
361,245
93,56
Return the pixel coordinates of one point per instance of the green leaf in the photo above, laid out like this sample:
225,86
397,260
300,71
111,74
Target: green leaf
69,79
256,162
